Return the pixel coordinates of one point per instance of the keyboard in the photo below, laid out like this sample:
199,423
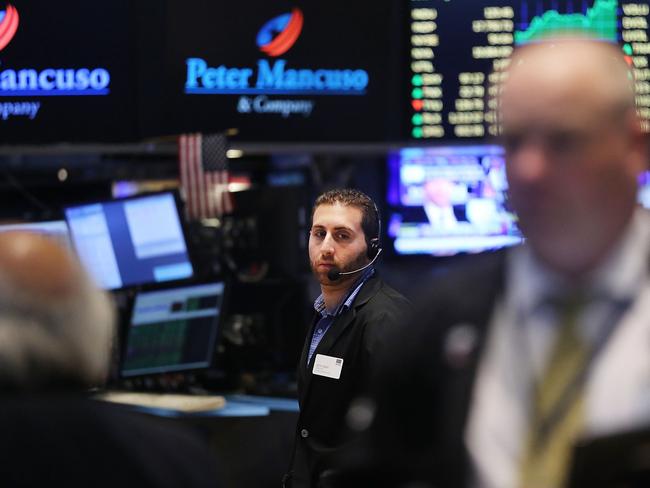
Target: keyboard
170,401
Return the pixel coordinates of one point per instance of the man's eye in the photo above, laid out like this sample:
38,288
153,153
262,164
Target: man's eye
318,233
342,237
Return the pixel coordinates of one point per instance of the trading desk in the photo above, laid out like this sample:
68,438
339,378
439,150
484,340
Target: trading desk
252,436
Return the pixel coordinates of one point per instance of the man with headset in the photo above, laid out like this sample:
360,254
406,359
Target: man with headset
353,313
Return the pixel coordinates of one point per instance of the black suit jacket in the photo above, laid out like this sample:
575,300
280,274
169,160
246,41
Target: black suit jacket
65,439
424,388
355,336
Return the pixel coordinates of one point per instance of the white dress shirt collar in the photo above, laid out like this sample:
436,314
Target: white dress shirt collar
618,278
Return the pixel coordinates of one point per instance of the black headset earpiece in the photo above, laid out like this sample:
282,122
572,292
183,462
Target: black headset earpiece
374,246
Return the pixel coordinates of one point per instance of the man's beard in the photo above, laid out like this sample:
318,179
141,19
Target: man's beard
358,262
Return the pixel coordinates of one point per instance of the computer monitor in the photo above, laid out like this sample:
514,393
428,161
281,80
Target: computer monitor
131,241
173,330
449,199
54,229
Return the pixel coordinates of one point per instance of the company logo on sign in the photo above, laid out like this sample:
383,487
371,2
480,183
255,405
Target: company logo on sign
279,34
273,77
8,25
28,82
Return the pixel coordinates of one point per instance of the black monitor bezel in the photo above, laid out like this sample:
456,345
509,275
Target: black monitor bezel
180,205
219,320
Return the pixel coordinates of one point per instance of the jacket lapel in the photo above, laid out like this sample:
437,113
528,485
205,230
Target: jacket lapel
340,324
304,369
343,321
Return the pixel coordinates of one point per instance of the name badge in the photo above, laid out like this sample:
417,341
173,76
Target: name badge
328,366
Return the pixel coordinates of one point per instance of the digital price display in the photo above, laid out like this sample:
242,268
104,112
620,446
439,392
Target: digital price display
459,50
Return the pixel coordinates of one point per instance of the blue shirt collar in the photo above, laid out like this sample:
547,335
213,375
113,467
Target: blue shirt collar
319,303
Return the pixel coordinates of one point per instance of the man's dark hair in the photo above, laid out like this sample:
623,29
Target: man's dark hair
350,197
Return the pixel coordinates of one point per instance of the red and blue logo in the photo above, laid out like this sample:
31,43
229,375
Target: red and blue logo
280,33
27,82
8,25
275,38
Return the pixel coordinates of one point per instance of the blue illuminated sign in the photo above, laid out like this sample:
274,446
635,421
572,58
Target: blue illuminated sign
274,38
272,79
54,82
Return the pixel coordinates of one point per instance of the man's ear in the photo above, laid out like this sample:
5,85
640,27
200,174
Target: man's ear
640,141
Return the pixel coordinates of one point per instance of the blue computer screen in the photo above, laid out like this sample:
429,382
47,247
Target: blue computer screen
131,241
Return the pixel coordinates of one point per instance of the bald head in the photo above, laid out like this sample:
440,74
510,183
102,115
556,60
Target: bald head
37,264
578,71
56,327
574,148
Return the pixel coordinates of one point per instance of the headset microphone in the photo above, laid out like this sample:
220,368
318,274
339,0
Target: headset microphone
334,273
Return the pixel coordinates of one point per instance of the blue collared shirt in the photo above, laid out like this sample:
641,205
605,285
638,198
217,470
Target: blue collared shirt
327,317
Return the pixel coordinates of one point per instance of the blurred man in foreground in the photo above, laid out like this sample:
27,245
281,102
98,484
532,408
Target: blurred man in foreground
522,352
56,332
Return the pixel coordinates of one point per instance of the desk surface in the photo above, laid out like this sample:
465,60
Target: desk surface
273,403
175,405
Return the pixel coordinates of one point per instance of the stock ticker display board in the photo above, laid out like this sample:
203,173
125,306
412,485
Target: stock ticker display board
289,71
459,49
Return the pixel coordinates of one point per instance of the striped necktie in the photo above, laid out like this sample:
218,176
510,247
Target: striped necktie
557,411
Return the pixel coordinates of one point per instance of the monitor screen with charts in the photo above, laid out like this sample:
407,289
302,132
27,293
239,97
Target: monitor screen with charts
173,330
132,241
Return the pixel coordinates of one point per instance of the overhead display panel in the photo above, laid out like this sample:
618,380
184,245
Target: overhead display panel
459,49
65,72
280,71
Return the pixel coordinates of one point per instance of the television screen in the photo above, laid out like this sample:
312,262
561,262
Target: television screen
132,241
173,330
456,52
450,199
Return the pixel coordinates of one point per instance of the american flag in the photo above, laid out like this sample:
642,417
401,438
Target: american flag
204,175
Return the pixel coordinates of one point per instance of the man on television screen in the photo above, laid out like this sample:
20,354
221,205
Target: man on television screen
522,352
354,312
